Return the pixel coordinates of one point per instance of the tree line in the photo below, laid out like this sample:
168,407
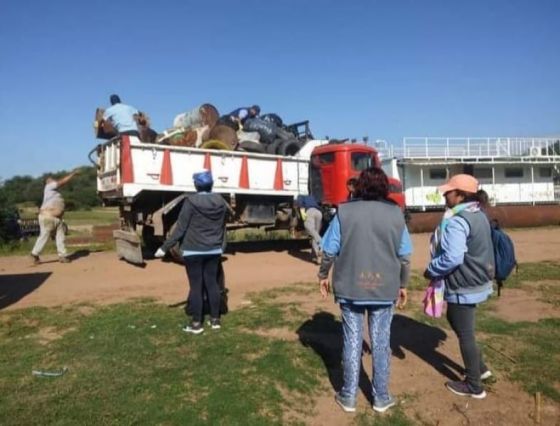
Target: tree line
79,193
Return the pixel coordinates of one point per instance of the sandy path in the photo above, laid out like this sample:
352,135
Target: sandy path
101,277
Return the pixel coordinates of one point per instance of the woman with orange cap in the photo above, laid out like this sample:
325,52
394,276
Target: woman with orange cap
463,257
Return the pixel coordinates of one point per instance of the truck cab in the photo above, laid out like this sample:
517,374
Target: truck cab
331,165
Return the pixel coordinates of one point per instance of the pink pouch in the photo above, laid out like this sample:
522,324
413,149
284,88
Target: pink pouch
433,299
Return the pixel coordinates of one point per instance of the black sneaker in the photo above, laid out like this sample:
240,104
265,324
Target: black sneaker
193,328
215,323
35,259
463,389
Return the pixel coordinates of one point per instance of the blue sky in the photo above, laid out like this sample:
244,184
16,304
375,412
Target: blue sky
386,69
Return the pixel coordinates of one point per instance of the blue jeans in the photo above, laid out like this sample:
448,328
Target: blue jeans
379,324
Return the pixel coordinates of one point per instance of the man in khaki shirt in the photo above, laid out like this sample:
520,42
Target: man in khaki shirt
50,219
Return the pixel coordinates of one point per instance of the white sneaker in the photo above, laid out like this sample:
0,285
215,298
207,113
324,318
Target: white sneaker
486,375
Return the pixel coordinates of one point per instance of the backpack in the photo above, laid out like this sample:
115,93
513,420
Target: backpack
504,254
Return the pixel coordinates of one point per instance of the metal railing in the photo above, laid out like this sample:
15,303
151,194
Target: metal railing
465,147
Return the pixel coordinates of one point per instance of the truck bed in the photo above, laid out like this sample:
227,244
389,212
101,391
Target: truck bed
127,167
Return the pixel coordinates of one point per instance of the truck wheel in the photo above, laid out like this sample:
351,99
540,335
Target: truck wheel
250,146
289,147
216,144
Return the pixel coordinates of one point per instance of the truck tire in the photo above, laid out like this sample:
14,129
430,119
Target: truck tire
289,147
273,147
216,144
250,146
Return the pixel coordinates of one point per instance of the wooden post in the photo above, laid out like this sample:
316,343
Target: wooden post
538,408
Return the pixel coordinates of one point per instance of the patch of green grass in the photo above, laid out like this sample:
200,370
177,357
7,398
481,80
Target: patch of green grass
257,234
98,216
417,281
535,348
131,363
532,272
550,293
394,417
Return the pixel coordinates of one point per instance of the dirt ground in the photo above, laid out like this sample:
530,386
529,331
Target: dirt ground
102,278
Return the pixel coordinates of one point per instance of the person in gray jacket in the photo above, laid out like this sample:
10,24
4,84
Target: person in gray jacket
463,257
201,230
369,244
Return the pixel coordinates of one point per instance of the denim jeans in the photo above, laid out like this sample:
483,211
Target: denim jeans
379,324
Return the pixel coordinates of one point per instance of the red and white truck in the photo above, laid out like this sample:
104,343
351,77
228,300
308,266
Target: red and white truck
149,181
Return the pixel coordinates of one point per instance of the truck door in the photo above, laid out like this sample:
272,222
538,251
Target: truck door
321,169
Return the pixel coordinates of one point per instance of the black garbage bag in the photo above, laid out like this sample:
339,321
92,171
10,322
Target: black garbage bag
266,129
273,118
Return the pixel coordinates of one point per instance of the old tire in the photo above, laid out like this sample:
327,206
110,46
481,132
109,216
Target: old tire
273,147
216,144
225,134
250,146
289,147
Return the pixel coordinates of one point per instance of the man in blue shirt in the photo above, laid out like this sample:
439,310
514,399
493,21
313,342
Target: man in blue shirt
312,221
243,113
122,117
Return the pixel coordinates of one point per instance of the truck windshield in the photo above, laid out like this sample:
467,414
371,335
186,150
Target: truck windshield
361,161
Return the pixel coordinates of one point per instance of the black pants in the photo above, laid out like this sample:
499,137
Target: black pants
462,321
202,271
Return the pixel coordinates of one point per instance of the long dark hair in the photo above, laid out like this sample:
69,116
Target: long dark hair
372,185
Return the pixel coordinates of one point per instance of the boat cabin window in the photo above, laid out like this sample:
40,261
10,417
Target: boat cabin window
545,172
483,173
514,172
438,174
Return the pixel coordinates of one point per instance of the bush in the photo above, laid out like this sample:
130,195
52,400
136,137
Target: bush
9,226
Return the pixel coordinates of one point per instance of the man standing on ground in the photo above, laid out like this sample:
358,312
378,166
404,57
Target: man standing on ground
50,218
122,117
312,221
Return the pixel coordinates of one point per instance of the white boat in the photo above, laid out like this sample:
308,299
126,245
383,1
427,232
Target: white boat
517,173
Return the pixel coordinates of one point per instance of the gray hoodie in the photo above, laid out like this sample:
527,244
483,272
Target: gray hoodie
201,223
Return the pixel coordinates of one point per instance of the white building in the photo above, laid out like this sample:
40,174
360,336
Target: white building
513,171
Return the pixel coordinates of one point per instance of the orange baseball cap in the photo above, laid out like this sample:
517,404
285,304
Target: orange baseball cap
465,183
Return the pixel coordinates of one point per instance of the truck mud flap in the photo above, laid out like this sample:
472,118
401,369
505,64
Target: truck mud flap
129,246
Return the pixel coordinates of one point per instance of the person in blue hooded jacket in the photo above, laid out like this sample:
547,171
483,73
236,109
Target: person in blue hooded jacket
463,257
201,232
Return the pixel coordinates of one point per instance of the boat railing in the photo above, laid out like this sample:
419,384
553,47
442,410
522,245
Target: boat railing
466,147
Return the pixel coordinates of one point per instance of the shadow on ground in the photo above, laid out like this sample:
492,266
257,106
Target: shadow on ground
15,287
79,254
323,333
266,245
